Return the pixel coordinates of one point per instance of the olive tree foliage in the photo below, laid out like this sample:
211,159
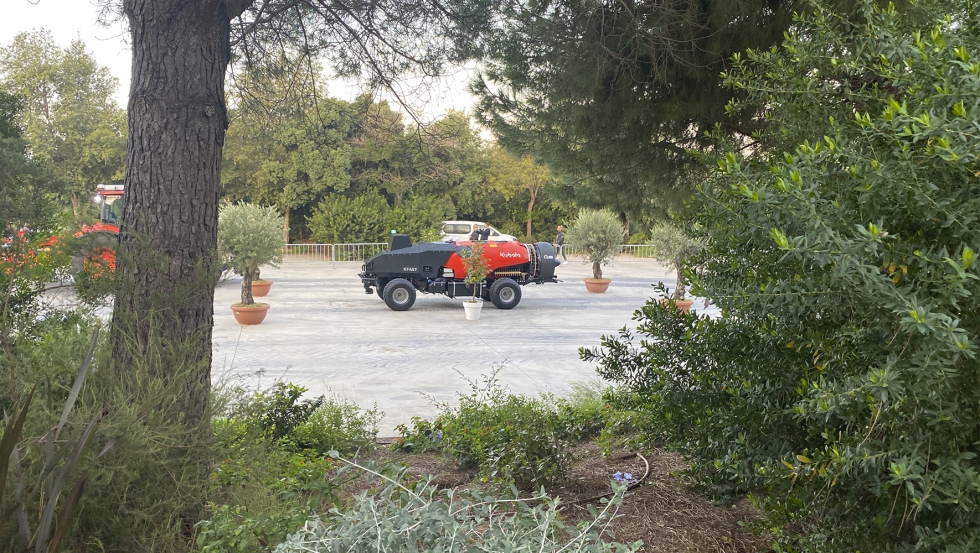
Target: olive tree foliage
250,236
841,381
614,95
598,234
673,246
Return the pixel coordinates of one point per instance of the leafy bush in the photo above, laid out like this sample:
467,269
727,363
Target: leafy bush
598,234
420,217
841,381
508,438
270,497
280,410
419,517
337,424
271,471
339,219
249,236
639,238
583,414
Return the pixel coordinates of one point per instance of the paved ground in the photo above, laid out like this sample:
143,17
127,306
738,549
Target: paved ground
324,333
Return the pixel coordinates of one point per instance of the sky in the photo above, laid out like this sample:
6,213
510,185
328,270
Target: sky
70,19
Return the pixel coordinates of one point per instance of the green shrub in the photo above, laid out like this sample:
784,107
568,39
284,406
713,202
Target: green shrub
420,217
339,220
280,410
841,382
419,517
517,439
583,414
508,438
639,238
268,498
271,472
337,424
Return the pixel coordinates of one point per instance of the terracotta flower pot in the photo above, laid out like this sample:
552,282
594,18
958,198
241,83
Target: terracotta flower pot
683,305
260,287
250,314
597,285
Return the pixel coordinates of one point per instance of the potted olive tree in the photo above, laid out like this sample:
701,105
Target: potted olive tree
673,247
598,234
249,236
477,267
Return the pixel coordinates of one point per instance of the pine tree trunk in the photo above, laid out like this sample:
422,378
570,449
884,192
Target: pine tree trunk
177,121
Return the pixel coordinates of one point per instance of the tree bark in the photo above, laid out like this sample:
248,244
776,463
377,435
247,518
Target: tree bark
285,226
76,212
247,278
530,208
177,120
681,289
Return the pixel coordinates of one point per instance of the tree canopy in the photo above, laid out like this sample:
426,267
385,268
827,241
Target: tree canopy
840,381
70,118
614,95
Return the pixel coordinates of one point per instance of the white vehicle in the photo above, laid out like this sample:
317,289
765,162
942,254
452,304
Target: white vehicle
459,231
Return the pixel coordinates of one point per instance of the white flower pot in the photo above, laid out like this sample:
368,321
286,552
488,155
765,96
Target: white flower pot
472,309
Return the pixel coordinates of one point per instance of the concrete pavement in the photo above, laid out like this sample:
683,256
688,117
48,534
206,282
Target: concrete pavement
324,333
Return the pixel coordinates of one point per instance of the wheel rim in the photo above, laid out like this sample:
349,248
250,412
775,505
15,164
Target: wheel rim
506,294
399,296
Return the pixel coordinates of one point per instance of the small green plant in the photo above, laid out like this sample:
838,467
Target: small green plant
673,247
271,470
597,233
286,492
59,469
476,265
509,438
280,409
249,236
583,413
337,424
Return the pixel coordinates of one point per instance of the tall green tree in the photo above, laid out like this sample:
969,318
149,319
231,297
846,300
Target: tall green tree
177,118
70,118
519,177
614,95
285,148
841,380
28,206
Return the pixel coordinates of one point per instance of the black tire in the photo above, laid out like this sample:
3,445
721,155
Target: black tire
380,288
505,293
399,295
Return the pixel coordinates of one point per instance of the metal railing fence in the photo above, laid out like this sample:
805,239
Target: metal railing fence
363,250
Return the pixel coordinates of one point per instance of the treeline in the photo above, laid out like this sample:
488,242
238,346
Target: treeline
338,171
352,171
